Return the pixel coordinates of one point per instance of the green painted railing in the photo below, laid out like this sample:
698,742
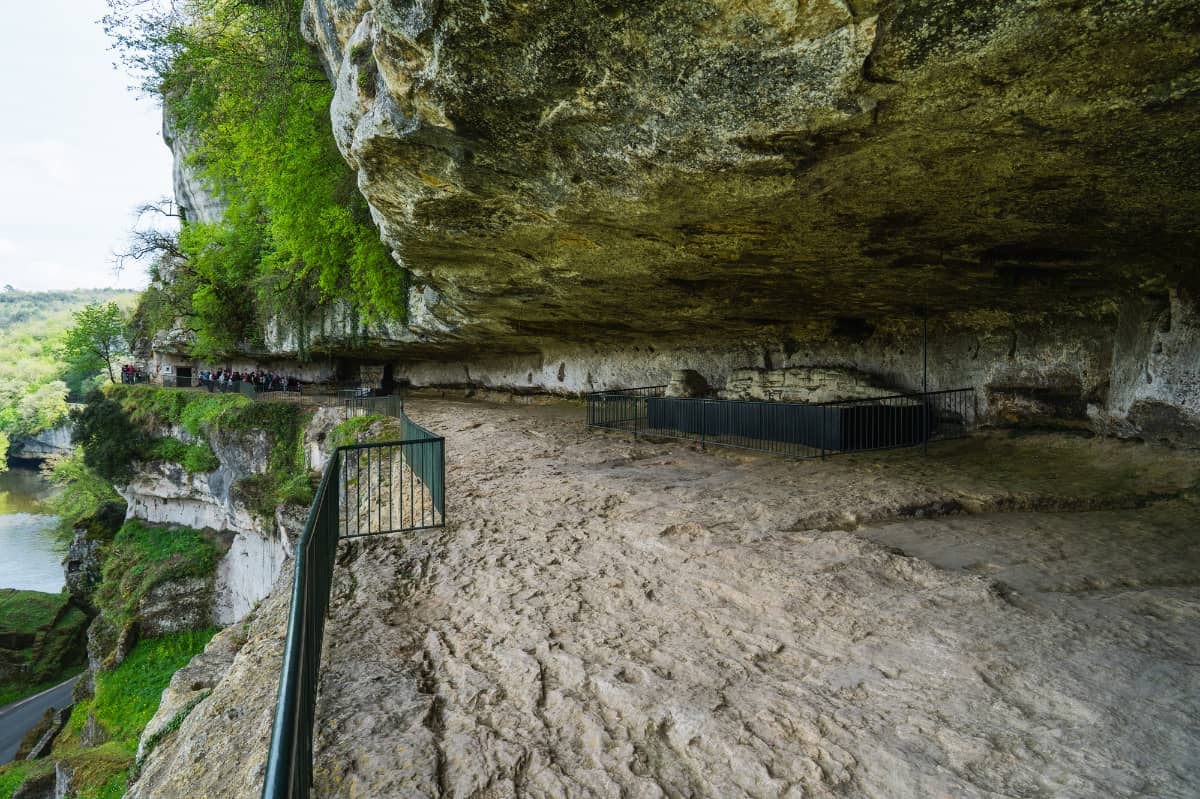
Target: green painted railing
366,489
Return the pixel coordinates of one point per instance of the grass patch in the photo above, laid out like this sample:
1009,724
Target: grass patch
141,557
196,458
42,642
13,775
26,612
127,697
353,431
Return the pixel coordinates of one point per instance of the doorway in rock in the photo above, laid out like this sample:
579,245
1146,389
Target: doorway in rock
388,384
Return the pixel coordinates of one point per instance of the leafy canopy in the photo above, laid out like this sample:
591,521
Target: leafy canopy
97,339
253,99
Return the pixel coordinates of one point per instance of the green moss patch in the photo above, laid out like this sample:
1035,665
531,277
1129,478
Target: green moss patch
127,696
143,556
197,457
42,642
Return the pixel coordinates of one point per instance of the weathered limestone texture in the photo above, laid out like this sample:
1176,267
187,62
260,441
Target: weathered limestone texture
802,384
604,618
1156,375
196,200
685,383
55,441
165,493
619,172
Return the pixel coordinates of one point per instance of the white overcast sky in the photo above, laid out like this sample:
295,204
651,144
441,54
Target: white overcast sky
78,150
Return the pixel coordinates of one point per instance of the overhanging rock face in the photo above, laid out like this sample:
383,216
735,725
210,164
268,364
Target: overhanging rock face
611,172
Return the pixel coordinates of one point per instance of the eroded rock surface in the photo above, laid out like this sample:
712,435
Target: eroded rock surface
220,746
600,171
605,618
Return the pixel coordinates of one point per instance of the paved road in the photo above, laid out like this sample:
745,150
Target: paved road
17,718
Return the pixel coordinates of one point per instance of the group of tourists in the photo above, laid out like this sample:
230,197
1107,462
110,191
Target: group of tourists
131,374
230,380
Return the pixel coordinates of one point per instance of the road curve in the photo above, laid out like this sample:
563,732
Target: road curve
17,718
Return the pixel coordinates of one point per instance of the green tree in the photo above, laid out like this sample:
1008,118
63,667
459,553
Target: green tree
240,79
96,339
110,441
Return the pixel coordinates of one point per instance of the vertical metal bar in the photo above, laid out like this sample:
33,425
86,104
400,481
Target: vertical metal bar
925,380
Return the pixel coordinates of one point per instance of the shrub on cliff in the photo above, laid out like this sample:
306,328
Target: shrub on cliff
143,556
296,232
110,441
84,497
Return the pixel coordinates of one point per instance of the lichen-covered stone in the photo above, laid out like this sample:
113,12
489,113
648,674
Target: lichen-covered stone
604,171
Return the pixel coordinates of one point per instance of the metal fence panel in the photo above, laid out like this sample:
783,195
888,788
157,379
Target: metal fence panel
793,429
366,489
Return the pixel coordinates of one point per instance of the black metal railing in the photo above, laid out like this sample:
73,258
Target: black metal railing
365,489
792,429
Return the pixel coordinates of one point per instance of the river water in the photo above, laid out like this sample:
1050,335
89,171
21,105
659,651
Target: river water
30,554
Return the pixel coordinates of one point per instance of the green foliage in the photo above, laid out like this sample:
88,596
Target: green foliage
211,410
299,489
13,775
33,380
82,492
355,430
143,556
151,406
296,233
196,458
45,633
96,339
109,439
127,696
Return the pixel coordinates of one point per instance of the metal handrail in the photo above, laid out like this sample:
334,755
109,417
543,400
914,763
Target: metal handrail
289,761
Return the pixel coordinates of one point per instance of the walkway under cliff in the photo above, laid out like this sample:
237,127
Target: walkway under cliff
604,618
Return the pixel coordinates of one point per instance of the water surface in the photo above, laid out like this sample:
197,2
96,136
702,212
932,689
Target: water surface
30,554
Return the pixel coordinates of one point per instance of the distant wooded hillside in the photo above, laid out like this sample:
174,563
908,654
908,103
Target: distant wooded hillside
34,381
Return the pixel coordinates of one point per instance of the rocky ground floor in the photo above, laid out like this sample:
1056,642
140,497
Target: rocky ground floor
1010,615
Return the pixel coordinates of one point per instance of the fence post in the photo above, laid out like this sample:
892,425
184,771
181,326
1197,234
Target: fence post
704,425
824,413
636,417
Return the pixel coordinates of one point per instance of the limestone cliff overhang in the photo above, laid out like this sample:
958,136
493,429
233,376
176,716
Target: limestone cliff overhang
593,173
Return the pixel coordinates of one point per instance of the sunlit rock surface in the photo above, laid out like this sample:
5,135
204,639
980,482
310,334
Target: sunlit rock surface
612,171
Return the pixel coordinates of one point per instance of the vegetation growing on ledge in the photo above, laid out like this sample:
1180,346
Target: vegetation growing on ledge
365,430
296,233
125,701
204,415
196,458
41,642
143,556
83,497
